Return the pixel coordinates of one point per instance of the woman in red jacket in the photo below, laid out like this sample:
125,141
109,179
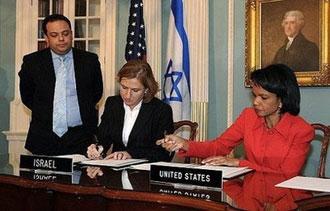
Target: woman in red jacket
275,138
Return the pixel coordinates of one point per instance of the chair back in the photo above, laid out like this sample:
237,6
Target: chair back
192,128
325,130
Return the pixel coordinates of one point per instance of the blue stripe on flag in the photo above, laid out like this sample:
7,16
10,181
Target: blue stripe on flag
177,10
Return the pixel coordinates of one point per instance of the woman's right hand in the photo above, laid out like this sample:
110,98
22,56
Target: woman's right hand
94,152
173,143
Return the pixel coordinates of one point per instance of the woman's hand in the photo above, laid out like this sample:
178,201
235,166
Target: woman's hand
120,155
221,161
173,143
94,152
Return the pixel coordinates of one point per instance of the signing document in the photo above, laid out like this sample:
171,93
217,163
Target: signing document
227,172
113,163
306,183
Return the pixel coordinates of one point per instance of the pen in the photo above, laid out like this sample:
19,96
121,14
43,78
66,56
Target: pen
99,147
159,142
165,133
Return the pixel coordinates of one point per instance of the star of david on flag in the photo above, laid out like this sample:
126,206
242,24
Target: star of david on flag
176,90
174,78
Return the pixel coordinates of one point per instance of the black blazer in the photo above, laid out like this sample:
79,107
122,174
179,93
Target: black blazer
302,55
37,87
153,120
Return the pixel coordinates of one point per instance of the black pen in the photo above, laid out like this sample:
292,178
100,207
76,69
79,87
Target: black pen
160,141
99,147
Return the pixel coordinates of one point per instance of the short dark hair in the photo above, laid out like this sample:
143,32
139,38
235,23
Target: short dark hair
280,80
140,70
52,18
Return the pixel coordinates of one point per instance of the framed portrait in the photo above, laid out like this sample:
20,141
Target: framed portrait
291,32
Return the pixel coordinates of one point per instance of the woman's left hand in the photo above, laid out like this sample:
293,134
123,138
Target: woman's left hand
221,161
120,155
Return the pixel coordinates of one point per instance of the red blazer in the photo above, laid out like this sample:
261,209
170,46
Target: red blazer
282,149
257,191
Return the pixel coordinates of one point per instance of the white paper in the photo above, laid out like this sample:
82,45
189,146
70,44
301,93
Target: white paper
227,172
146,166
306,183
113,163
143,167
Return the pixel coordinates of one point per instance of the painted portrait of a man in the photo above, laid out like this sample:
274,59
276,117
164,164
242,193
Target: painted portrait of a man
290,34
297,51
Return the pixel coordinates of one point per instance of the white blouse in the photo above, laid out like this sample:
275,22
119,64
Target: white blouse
129,120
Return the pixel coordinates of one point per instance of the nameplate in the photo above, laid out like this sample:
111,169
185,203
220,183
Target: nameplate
46,163
43,176
188,176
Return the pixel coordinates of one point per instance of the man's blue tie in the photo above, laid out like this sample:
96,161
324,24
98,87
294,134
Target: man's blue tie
60,125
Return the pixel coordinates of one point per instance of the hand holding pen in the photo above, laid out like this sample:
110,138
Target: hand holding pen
173,143
95,151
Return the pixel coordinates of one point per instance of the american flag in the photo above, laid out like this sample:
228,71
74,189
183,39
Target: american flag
136,45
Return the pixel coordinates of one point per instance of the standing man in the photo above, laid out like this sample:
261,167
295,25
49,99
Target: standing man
297,52
61,85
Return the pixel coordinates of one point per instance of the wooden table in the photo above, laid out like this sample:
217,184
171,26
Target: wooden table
35,191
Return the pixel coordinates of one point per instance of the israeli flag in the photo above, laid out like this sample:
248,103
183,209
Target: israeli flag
176,88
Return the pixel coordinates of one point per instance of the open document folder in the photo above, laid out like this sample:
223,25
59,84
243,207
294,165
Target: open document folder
113,163
306,183
227,172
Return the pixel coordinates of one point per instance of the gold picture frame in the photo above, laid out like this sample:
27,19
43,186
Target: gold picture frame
264,35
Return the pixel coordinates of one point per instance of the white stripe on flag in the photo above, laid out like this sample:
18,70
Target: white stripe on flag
177,75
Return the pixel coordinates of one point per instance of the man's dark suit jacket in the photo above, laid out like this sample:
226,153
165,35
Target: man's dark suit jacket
37,87
302,55
153,120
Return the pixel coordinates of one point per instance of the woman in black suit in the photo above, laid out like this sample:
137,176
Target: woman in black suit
134,120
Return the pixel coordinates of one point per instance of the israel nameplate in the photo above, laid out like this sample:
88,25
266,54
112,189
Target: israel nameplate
188,176
46,163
